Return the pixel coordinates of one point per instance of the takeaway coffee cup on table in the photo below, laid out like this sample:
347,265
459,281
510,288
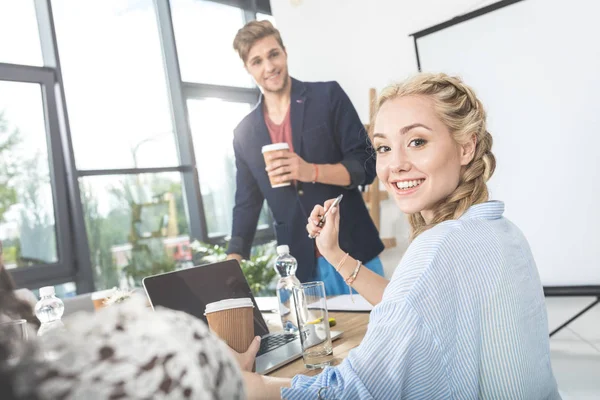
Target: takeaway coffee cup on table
99,297
266,150
233,321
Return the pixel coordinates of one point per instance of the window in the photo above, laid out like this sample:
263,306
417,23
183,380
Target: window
98,176
136,226
62,291
121,123
219,93
204,33
115,84
20,43
212,122
27,226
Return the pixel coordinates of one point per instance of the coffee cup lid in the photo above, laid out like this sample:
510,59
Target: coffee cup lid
228,304
275,146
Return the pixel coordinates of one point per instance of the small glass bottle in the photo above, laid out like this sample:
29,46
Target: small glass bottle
286,266
49,311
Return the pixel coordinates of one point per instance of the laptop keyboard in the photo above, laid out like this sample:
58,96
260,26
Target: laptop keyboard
272,342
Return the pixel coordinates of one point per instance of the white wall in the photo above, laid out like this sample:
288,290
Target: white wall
514,69
361,44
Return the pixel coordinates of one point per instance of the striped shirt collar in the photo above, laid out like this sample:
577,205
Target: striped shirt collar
488,210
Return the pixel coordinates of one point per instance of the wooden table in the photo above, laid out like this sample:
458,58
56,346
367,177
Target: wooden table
354,326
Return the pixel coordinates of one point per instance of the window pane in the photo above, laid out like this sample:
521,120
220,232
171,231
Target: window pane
63,290
20,43
212,122
115,84
204,33
27,227
136,226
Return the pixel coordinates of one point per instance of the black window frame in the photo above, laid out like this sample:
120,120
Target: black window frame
74,263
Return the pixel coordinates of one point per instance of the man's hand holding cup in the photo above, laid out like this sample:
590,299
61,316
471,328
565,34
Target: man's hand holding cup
285,166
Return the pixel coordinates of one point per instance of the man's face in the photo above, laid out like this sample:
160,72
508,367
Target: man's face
267,63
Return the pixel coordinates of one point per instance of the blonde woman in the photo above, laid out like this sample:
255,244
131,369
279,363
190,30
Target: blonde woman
463,315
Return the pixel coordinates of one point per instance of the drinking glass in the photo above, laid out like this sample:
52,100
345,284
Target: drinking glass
15,330
313,324
14,334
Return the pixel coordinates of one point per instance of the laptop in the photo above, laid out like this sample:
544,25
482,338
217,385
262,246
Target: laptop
190,290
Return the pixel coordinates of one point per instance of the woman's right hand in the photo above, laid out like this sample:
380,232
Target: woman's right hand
327,237
246,360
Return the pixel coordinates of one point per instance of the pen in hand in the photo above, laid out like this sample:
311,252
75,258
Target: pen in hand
334,204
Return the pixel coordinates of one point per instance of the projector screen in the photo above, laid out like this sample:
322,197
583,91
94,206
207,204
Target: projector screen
535,65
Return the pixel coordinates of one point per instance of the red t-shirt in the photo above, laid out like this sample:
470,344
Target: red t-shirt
281,133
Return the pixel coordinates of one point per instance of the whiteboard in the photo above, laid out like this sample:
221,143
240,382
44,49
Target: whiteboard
536,67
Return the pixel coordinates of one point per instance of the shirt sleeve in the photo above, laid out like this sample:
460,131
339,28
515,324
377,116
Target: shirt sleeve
398,358
352,139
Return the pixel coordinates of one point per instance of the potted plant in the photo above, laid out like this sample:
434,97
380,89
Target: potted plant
146,260
258,270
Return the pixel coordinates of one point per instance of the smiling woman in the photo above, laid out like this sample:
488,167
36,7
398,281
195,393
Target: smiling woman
464,311
433,149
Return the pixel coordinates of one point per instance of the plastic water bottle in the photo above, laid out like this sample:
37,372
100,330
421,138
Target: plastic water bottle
286,266
49,311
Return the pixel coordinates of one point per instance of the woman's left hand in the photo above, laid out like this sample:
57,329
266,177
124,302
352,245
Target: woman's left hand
260,387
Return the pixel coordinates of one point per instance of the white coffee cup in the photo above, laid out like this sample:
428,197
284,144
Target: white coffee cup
271,148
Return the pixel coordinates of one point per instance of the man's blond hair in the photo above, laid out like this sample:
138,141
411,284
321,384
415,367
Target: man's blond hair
251,33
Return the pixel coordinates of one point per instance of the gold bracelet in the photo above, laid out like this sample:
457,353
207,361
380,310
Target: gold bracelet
350,280
339,266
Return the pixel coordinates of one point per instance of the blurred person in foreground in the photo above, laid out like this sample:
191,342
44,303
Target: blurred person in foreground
18,303
123,351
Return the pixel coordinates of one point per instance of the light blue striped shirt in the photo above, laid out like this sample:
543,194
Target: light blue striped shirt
462,318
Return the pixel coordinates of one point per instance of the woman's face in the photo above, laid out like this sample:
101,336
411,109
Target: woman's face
417,159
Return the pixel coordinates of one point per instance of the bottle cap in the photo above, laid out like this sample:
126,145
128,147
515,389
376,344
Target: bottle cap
283,249
47,291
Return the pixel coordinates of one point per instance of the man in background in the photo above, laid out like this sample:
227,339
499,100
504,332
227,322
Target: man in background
329,154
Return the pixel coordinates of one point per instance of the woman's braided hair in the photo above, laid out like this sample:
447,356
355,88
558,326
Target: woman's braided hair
461,111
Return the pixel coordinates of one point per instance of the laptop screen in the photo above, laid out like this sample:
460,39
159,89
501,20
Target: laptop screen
190,290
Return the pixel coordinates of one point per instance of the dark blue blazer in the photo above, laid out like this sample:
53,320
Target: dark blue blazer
325,130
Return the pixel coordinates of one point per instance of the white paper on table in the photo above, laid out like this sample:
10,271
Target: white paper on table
344,303
267,304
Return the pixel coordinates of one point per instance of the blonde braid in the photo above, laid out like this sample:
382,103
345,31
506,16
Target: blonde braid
461,111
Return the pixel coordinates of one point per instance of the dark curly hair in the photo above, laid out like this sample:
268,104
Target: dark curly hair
14,308
10,304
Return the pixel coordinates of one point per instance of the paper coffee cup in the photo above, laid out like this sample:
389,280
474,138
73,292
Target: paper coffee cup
270,148
233,321
99,297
